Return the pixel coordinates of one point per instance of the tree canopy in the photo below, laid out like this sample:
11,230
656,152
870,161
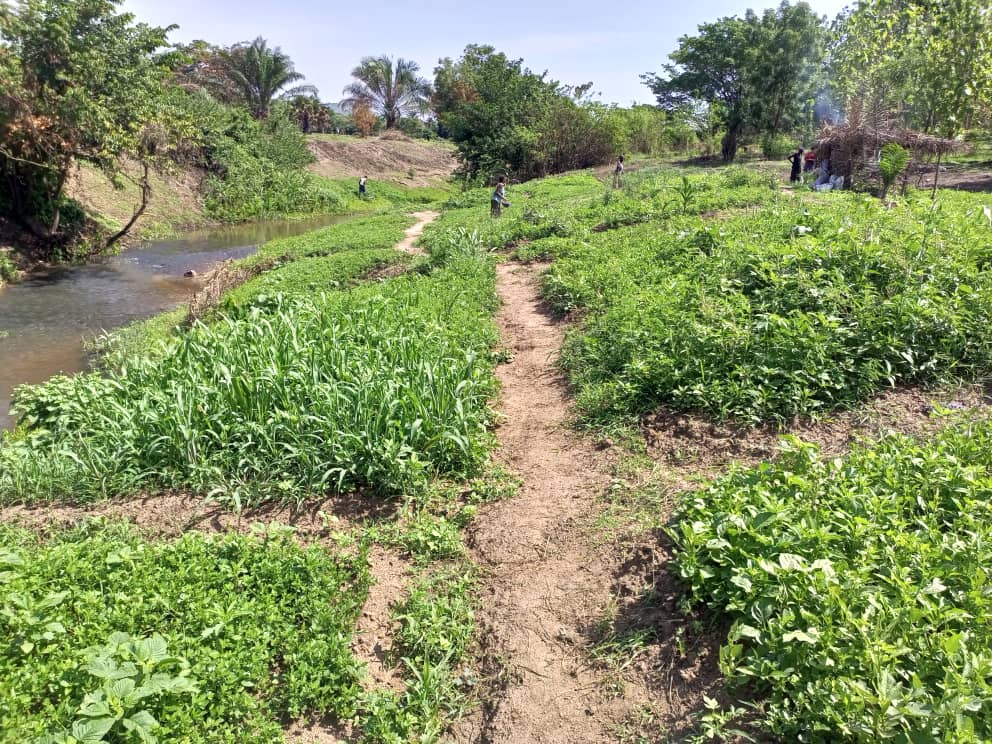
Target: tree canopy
758,71
254,75
390,89
78,82
929,63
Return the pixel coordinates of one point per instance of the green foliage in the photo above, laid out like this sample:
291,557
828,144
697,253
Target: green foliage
132,675
648,130
417,128
391,89
858,587
254,188
364,234
252,75
93,79
771,315
8,269
380,386
760,70
257,168
436,625
891,163
312,276
505,118
932,61
210,639
776,146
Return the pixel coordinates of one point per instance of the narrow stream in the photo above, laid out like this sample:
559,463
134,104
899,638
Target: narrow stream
45,319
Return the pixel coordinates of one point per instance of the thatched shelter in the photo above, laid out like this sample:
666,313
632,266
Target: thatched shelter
855,144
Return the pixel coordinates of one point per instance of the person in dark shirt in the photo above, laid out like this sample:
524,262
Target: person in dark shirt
796,159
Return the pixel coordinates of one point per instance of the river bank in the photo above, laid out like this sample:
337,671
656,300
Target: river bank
47,317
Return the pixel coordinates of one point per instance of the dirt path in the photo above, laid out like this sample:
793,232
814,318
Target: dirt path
543,588
415,231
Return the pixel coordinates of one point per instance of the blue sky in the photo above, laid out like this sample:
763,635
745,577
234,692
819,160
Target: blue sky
608,43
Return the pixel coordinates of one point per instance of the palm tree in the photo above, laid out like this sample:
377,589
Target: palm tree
391,90
309,113
258,74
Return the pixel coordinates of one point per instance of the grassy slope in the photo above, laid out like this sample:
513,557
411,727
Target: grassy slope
434,324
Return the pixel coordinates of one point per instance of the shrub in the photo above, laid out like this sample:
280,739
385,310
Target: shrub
858,587
777,146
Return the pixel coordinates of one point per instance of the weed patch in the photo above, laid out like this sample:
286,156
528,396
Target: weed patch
858,586
210,639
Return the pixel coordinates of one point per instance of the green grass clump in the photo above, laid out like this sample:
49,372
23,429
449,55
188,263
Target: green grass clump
436,624
364,234
311,276
859,587
379,387
789,311
206,639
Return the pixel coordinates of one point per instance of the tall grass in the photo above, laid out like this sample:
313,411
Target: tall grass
378,387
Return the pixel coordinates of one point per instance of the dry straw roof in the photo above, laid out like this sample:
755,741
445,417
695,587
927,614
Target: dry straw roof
861,137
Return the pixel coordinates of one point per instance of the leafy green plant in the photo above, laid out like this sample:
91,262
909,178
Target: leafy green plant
133,674
436,623
891,163
207,638
8,269
856,585
776,312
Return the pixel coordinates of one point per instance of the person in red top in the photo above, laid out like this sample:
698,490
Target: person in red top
810,161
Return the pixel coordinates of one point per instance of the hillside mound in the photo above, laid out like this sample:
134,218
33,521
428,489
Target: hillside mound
389,157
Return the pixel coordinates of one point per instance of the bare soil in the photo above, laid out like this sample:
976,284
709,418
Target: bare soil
413,233
389,157
551,591
698,445
170,515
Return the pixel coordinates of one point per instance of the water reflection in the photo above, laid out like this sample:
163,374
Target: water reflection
44,319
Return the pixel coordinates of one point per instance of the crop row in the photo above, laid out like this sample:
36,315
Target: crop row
109,637
860,587
794,309
379,387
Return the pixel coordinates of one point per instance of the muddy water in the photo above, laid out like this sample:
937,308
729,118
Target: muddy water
45,319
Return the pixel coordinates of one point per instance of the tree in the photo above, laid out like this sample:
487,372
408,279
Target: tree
492,108
310,114
925,61
392,90
759,70
363,117
253,75
78,82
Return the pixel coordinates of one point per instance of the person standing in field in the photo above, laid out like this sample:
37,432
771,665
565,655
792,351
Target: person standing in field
618,174
796,159
362,185
810,161
498,200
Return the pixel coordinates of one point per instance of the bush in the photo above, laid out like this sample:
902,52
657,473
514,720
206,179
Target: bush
858,587
417,128
777,146
257,167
